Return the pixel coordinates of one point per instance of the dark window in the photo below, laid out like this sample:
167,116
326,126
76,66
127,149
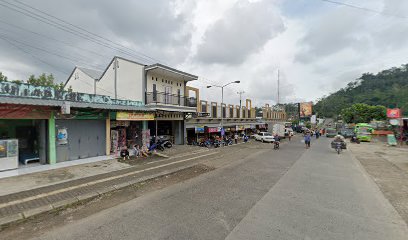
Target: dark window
224,112
178,96
154,93
162,80
204,107
231,112
214,111
238,113
152,78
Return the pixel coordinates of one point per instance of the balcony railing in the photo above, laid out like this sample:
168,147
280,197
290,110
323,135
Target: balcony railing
170,99
25,90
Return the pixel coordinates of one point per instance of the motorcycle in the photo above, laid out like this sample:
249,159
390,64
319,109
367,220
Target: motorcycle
165,143
276,145
154,146
354,139
338,147
217,143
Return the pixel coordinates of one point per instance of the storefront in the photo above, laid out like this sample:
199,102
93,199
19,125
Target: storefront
28,125
169,126
126,130
80,134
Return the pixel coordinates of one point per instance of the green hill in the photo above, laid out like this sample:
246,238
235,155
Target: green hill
388,88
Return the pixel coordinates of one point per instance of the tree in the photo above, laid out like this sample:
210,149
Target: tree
363,113
45,81
3,78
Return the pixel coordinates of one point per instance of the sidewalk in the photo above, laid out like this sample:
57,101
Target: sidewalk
28,195
323,196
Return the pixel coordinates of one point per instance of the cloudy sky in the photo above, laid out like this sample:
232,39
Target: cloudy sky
317,46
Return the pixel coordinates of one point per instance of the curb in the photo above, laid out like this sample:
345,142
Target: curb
32,213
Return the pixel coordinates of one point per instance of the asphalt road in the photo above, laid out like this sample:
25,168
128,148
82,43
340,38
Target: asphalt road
291,193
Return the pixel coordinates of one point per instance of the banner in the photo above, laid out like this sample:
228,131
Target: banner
10,111
199,129
305,109
313,119
134,116
212,129
393,113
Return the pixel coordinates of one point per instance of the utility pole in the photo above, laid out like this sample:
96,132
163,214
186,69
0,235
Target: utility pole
240,98
115,67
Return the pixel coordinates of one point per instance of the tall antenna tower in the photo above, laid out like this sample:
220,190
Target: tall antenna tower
278,87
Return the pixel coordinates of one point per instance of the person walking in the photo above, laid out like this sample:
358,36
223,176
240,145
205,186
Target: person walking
307,139
236,138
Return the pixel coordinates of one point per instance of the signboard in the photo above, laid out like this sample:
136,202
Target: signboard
66,108
313,119
134,116
247,126
305,109
10,111
212,129
62,136
393,112
199,129
240,128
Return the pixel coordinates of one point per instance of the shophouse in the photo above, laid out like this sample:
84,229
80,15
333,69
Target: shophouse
212,118
41,124
161,88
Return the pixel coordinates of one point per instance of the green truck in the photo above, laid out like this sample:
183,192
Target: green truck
363,132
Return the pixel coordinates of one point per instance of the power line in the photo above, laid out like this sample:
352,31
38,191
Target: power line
54,39
78,27
68,29
364,9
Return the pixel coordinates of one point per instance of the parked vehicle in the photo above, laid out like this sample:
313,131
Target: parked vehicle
278,129
288,131
347,132
363,132
331,132
264,137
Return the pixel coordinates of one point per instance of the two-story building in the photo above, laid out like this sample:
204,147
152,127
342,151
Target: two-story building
161,88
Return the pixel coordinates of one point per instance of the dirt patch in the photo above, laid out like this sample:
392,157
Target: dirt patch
388,167
45,222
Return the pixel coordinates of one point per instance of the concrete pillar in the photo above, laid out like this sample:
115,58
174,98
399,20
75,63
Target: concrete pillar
52,153
145,125
108,135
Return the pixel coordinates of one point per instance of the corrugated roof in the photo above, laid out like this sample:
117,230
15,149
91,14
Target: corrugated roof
95,74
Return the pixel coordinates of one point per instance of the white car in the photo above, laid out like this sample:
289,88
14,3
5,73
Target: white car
264,137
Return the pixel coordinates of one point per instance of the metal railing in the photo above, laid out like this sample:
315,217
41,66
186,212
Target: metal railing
170,99
25,90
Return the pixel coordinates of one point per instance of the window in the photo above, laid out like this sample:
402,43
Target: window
178,97
204,107
214,111
223,112
154,93
162,80
152,78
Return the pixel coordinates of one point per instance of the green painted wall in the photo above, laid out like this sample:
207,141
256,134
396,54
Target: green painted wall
52,154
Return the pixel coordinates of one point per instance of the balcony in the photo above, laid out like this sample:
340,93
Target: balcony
160,98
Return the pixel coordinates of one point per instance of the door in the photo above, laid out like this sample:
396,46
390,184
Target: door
167,95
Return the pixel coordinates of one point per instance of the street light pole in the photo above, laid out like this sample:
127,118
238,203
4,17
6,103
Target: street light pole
222,100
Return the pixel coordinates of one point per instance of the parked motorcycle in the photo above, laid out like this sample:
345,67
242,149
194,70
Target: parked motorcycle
165,143
354,139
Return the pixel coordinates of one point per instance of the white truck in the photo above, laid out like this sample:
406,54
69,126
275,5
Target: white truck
279,129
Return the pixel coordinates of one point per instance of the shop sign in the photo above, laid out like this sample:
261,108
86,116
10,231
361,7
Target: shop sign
134,116
393,113
10,111
62,136
199,129
212,130
114,124
81,114
240,128
247,126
